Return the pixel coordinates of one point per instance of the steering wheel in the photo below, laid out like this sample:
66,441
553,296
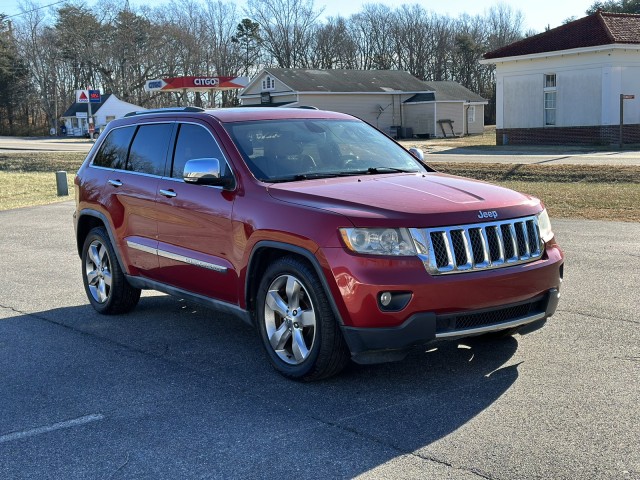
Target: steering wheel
307,162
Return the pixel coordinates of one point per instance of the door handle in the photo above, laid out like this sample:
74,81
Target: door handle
115,183
168,193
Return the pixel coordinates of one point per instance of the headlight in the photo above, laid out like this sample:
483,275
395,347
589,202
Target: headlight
379,241
544,224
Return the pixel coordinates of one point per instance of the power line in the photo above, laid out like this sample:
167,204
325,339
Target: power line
36,9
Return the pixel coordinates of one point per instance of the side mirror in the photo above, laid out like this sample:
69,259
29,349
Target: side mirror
418,153
205,171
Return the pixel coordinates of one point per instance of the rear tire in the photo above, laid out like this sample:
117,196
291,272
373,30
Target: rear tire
296,323
104,282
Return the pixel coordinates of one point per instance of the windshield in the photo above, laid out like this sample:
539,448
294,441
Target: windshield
299,149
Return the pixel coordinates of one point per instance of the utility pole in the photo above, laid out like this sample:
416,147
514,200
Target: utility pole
89,117
55,100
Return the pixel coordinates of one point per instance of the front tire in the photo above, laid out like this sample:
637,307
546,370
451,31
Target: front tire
296,323
104,282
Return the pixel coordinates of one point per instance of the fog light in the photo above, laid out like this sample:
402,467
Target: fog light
385,299
393,301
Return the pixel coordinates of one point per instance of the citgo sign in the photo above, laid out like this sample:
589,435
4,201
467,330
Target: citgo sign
196,83
206,82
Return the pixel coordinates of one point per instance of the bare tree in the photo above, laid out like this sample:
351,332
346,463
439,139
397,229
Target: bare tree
128,62
504,26
413,33
334,46
374,35
36,44
287,26
117,47
222,56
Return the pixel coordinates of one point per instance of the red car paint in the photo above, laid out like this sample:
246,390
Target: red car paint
225,227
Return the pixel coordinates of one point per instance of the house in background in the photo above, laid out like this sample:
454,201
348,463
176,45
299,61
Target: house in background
448,108
391,100
564,85
76,117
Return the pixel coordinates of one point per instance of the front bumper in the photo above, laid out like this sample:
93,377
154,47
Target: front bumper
374,345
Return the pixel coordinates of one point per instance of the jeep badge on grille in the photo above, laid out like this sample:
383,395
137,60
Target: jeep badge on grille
491,214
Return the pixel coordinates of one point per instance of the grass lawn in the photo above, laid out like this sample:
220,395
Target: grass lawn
568,191
29,179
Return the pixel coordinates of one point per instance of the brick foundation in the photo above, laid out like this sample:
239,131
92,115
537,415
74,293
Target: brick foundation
598,135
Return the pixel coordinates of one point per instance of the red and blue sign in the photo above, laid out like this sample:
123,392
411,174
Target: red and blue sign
94,96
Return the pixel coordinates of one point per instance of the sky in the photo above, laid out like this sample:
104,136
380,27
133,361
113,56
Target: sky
537,14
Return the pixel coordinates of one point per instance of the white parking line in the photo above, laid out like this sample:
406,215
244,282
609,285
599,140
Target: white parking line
50,428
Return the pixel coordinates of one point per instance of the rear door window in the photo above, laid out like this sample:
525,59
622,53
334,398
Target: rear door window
114,149
149,149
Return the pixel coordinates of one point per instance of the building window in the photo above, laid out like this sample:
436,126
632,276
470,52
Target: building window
550,99
549,108
110,117
269,83
550,81
471,114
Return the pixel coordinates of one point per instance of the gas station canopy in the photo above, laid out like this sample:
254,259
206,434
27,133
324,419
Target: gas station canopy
195,84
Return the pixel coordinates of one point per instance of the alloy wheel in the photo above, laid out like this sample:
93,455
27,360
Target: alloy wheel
98,271
290,319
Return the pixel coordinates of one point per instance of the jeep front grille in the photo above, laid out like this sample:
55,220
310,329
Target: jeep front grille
480,246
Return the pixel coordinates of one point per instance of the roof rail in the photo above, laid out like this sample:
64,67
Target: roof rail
307,107
165,110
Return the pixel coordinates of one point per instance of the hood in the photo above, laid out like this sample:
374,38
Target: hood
409,200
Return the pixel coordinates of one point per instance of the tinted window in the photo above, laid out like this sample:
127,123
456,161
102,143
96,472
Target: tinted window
195,142
149,149
113,152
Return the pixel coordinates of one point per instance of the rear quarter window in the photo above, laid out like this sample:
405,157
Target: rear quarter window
113,151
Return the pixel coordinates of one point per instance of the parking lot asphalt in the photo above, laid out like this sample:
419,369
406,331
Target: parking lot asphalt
173,390
44,144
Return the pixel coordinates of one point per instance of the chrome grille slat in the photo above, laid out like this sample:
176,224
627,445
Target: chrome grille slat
468,249
480,246
449,245
514,242
500,244
485,248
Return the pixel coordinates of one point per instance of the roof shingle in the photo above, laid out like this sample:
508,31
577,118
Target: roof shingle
306,80
448,90
601,28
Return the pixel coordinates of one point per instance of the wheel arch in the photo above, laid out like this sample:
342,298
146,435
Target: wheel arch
87,220
267,251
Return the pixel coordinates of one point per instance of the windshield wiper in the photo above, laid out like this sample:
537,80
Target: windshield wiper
308,176
378,170
344,173
388,169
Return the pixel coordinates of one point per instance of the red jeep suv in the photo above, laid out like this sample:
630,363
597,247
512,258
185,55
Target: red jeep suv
328,236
